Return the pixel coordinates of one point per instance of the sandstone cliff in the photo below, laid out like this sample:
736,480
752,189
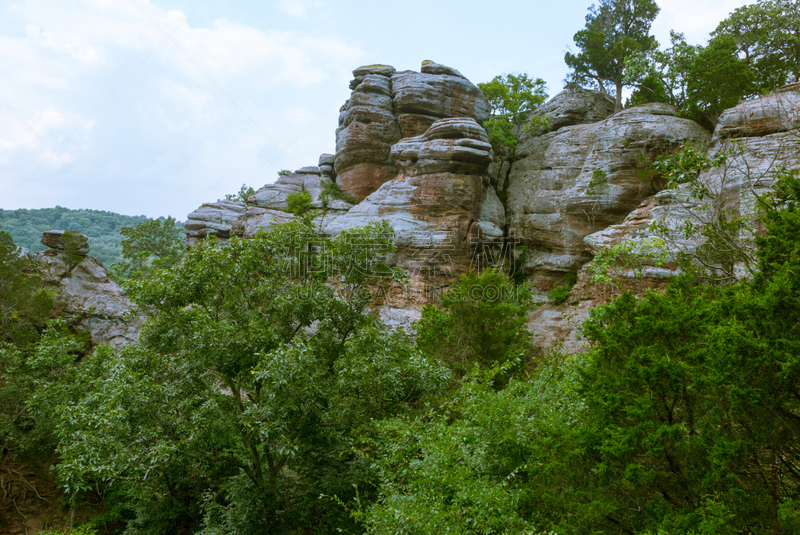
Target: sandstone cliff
411,149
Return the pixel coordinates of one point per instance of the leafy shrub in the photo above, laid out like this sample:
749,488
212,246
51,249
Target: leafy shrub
299,202
560,293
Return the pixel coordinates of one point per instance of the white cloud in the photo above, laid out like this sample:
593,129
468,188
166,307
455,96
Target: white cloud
156,118
298,8
695,19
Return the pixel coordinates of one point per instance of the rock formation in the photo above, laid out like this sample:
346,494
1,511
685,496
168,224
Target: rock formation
85,295
410,147
386,106
582,178
268,205
759,137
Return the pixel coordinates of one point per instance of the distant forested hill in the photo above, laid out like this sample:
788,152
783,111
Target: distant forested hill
102,228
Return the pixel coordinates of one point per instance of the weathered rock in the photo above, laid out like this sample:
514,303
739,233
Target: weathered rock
576,106
434,203
431,67
57,239
308,170
748,173
382,70
770,114
256,218
421,98
581,179
86,297
327,170
212,219
367,130
326,159
386,106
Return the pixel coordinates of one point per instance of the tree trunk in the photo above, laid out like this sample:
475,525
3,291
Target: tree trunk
618,101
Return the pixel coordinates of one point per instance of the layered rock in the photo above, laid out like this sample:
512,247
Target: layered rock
576,106
212,219
386,106
85,294
268,205
759,138
582,178
436,203
367,130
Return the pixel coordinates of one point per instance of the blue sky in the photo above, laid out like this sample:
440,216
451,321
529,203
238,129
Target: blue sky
155,107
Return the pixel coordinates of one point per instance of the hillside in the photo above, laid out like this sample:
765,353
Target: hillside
101,227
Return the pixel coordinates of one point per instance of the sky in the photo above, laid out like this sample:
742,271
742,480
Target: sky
155,107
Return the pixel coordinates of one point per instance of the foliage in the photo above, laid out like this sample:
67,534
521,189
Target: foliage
284,172
244,193
718,78
625,259
481,322
299,202
24,305
767,35
662,75
560,293
469,464
102,228
257,375
726,235
598,182
149,246
615,31
26,421
513,98
331,190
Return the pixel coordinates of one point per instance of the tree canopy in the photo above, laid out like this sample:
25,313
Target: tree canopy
615,30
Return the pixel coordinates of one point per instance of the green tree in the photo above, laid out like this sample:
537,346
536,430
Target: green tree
257,376
298,202
718,79
615,30
662,75
513,98
767,35
148,246
481,322
244,193
24,305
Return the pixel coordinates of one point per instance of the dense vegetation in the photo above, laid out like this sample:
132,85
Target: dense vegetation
264,397
102,228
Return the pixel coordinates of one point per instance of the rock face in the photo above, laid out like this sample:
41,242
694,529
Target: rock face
386,106
582,178
268,205
759,137
212,219
435,202
86,295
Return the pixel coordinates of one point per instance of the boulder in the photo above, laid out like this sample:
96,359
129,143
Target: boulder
85,295
212,219
58,240
770,114
421,98
308,170
583,178
576,106
431,67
